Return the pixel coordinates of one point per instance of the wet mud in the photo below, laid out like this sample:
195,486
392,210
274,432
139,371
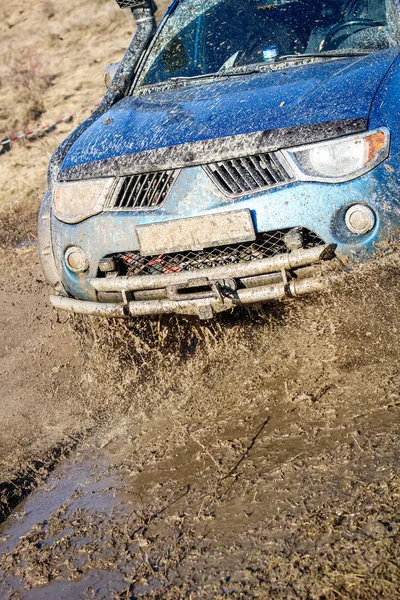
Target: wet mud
271,515
256,456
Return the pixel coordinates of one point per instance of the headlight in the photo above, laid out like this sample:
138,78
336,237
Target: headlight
341,159
75,201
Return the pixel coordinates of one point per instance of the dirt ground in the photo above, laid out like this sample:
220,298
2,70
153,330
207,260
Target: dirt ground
255,456
53,54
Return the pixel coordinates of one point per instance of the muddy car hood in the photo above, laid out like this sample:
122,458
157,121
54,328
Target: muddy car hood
229,117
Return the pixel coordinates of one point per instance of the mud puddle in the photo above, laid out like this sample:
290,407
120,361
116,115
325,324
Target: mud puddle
256,510
83,484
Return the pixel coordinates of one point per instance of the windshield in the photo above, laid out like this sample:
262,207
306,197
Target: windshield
204,37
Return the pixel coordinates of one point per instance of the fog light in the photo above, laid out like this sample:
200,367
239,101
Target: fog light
76,259
360,219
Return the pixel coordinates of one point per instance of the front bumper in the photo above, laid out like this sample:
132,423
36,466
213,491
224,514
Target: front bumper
208,291
316,207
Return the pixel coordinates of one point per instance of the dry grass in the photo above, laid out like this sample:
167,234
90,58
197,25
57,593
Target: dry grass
29,80
53,56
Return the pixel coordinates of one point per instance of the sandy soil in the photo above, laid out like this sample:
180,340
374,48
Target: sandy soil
255,456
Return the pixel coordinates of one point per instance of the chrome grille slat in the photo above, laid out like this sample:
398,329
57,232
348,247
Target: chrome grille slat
268,166
264,177
154,189
234,174
124,190
124,198
226,179
142,191
167,183
244,173
132,192
126,201
248,175
266,245
275,166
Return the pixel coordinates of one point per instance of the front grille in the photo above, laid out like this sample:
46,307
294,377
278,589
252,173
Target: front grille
138,192
266,245
235,177
240,176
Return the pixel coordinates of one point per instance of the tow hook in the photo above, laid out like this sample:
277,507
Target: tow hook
226,288
202,287
125,303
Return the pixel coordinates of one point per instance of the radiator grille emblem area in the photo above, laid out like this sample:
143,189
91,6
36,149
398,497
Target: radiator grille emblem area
242,176
266,245
143,191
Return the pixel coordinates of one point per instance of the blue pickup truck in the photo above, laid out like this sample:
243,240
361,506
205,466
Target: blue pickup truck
241,147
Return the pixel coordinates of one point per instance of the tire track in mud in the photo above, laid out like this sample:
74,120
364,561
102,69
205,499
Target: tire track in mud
257,455
42,416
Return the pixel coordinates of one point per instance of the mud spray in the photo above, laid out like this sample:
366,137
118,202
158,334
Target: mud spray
255,455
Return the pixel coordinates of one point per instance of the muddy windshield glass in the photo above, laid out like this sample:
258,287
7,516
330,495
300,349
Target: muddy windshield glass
209,36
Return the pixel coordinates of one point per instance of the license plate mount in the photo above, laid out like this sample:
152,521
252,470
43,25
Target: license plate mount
196,233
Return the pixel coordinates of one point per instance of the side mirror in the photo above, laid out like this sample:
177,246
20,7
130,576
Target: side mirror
109,73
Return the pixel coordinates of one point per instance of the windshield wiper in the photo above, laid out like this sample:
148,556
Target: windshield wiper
322,55
253,68
282,60
181,79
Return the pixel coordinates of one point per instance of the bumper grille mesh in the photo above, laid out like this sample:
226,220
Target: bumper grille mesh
241,176
266,245
138,192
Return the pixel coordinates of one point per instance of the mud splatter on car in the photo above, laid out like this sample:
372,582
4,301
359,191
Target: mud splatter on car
236,149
